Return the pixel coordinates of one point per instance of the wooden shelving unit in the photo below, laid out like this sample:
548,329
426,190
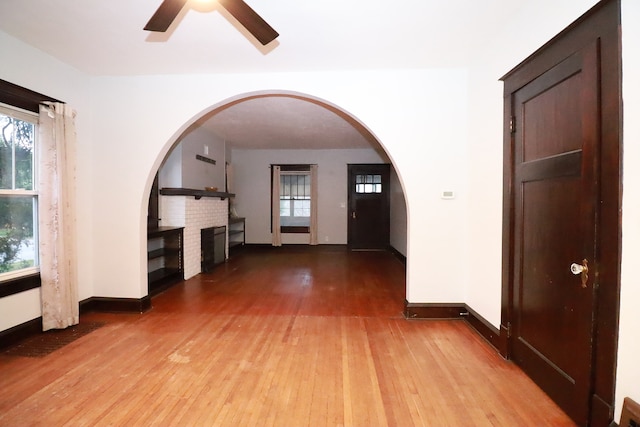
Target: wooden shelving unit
236,232
165,257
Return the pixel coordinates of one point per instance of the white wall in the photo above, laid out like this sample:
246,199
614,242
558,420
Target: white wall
32,69
414,114
181,169
441,128
398,215
253,190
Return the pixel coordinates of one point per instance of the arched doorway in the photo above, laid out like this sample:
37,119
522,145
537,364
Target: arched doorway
250,132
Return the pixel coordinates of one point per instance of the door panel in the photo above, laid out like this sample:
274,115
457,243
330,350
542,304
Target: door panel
556,160
561,204
369,206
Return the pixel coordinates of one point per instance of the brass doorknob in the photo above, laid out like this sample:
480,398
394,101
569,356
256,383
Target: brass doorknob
582,270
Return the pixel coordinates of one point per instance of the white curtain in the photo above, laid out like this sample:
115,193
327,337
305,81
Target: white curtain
276,236
313,223
229,178
56,213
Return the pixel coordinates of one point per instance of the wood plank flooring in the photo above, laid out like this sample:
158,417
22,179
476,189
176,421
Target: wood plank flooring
288,337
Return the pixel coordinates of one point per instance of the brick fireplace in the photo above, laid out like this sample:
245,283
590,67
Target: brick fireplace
194,215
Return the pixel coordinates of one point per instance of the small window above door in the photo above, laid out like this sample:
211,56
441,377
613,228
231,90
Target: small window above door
368,183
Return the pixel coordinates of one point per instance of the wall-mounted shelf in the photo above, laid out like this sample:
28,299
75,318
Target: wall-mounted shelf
170,191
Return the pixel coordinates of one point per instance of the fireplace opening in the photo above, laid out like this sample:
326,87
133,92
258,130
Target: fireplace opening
212,247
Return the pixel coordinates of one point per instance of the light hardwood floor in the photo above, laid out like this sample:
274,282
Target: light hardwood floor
276,338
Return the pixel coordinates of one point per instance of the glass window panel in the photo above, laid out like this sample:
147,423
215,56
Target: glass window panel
18,245
302,208
16,153
377,179
285,207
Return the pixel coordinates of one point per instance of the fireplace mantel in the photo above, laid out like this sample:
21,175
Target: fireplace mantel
171,191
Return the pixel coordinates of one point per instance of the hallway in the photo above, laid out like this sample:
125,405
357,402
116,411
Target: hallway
283,337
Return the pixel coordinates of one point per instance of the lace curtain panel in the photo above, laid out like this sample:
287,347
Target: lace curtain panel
56,213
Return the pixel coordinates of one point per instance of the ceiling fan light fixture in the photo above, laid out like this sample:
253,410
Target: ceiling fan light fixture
241,11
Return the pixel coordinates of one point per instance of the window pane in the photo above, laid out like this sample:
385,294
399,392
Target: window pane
16,153
6,153
368,183
17,234
285,208
302,208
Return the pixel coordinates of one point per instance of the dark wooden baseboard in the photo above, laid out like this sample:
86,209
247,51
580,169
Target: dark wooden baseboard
117,305
16,334
459,311
434,310
398,254
484,328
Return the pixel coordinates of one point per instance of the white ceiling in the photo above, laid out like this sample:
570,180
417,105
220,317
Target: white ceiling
105,37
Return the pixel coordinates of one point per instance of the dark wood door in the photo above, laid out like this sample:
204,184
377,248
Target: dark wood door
369,195
556,190
558,176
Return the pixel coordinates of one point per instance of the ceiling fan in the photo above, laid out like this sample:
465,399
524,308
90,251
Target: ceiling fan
258,27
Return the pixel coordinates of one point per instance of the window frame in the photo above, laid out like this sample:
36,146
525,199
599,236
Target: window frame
15,96
304,169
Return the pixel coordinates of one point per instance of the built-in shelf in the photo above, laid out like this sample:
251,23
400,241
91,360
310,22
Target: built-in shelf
171,191
236,232
165,257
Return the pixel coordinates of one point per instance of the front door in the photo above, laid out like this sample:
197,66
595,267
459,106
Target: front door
369,195
558,208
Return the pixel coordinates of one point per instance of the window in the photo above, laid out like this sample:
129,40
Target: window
19,103
368,183
18,194
295,198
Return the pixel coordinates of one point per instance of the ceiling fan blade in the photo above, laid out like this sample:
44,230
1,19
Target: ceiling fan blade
165,15
250,20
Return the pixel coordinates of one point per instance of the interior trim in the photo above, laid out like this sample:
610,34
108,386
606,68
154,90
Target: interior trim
116,305
19,284
455,311
18,96
19,332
